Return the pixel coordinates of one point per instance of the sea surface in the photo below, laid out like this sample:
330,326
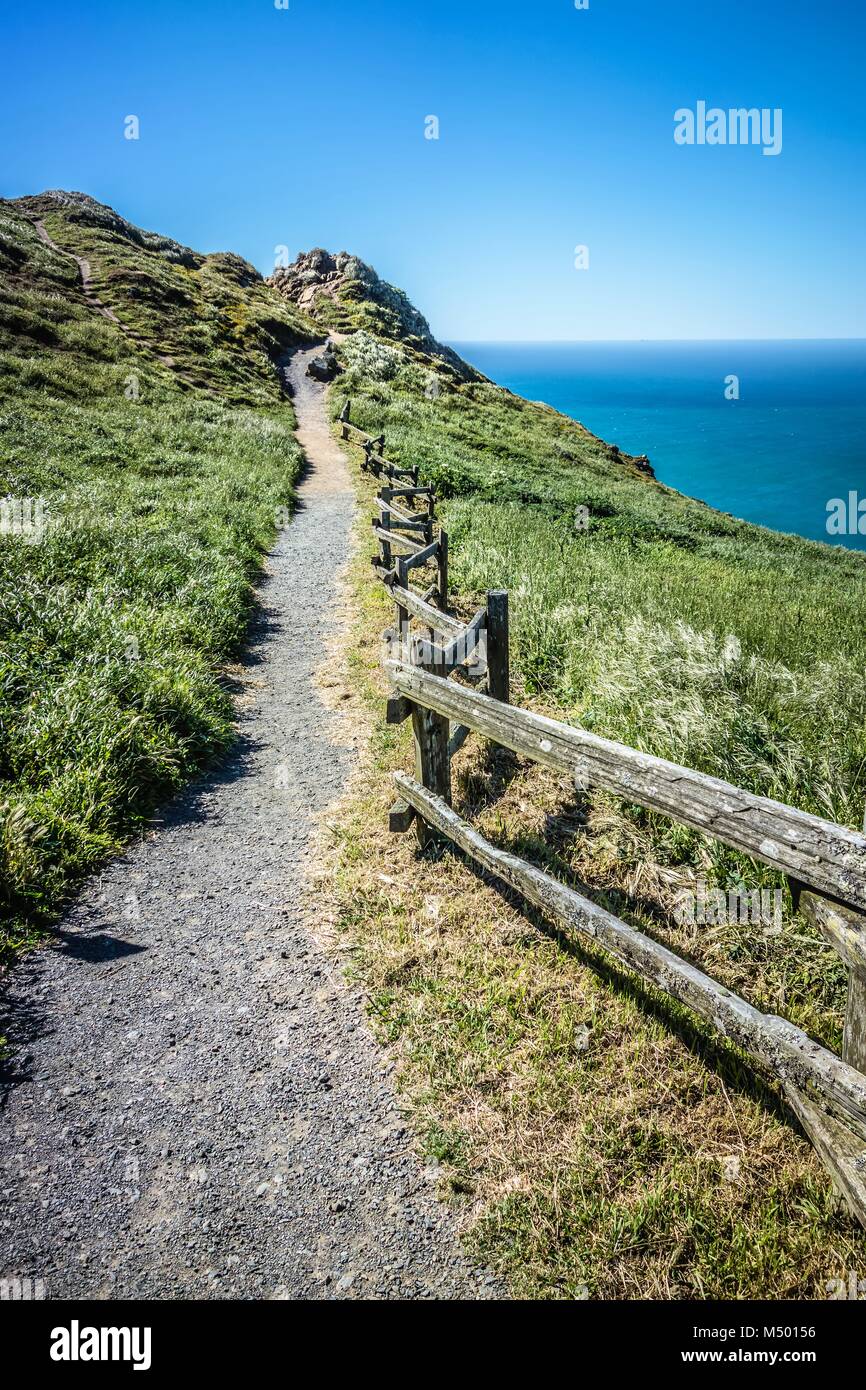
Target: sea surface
794,440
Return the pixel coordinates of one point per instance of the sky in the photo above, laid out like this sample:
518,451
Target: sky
262,127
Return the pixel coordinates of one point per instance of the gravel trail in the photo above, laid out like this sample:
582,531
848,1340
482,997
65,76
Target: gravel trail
195,1107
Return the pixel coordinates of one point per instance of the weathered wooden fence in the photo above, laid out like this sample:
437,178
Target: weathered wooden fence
452,678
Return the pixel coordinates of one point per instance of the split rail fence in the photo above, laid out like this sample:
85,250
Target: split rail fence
452,678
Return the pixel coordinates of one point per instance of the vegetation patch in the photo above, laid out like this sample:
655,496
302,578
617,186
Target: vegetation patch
601,1141
144,507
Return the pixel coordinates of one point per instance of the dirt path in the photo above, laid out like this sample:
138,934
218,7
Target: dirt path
197,1108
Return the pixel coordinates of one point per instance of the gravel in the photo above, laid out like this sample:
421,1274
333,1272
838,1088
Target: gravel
196,1108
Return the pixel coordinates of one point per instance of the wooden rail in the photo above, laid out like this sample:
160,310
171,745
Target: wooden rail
816,852
825,863
405,520
434,618
786,1049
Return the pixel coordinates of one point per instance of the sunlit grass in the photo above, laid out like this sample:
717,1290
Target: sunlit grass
114,628
600,1141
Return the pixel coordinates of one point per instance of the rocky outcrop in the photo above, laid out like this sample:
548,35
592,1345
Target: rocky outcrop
638,461
320,281
318,272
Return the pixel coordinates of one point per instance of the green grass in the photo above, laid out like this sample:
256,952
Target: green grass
590,1122
602,1141
597,1139
663,624
115,627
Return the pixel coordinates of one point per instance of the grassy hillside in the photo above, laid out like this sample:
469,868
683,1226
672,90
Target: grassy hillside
644,615
602,1141
162,485
605,1143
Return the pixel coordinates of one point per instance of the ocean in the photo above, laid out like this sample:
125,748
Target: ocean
776,445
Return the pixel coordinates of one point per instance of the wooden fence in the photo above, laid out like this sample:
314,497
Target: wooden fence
452,678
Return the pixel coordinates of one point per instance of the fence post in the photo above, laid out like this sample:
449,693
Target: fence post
443,570
854,1033
344,419
432,759
497,645
401,614
385,523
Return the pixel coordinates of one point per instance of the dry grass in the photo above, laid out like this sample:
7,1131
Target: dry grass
600,1142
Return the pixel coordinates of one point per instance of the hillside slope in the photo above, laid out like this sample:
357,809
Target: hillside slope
597,548
161,440
588,1119
151,490
609,1144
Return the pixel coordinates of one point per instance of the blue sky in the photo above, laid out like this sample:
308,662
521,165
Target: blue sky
305,126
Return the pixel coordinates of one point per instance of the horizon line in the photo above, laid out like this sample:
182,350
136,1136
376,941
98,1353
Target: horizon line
519,342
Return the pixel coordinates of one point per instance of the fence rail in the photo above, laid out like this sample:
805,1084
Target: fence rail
432,684
784,1047
812,851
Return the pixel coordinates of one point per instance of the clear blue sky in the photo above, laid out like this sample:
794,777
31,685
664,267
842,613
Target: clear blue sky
305,126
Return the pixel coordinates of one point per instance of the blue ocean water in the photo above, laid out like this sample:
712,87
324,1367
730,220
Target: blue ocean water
794,440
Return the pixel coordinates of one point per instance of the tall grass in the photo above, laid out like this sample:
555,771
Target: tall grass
745,670
115,626
645,614
601,1140
653,620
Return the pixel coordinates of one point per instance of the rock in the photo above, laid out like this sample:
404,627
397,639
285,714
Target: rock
638,461
325,367
318,275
